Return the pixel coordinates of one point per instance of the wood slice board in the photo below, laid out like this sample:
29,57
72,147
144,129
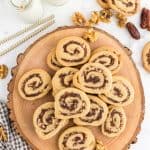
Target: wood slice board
35,57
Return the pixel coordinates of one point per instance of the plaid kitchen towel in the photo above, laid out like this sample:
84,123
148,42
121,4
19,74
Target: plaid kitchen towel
14,141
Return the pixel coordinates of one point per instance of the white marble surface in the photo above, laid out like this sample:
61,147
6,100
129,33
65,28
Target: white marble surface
10,22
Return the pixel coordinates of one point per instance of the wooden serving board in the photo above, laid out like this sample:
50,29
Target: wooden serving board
35,57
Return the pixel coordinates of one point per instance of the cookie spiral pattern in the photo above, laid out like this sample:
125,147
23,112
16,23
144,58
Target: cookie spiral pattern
76,138
121,93
72,51
52,61
71,103
108,57
146,56
97,114
115,122
125,7
34,84
93,78
45,123
63,78
103,3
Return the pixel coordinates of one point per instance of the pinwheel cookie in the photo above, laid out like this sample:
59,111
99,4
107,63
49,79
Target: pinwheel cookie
93,78
103,3
125,7
63,78
97,114
121,93
45,123
115,122
52,61
77,138
34,84
107,56
71,103
146,56
72,51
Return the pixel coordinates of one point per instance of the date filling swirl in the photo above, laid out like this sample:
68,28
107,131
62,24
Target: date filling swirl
121,93
77,138
63,78
45,122
115,122
34,84
97,114
108,57
71,103
104,1
128,7
72,51
94,78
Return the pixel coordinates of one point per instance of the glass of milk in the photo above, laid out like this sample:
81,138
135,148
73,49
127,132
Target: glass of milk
58,2
29,10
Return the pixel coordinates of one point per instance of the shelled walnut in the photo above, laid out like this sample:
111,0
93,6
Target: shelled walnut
79,19
3,71
100,145
95,18
91,35
3,135
105,15
122,20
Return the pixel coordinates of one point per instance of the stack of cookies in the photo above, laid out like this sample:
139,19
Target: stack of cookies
124,7
86,91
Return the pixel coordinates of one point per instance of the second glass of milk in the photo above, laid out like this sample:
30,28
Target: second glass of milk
58,2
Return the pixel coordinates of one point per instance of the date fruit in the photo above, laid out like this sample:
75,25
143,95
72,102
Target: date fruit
144,18
133,30
148,23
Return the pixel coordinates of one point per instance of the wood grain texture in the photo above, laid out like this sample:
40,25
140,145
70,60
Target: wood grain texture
21,111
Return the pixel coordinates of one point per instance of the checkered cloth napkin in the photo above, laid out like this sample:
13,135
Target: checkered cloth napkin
14,141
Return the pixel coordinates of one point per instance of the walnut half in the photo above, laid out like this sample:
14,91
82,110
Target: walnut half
91,35
79,19
100,145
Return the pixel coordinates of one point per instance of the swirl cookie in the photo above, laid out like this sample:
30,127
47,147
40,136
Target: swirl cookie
146,56
71,103
103,3
97,114
107,56
72,51
63,78
93,78
125,7
52,61
77,138
121,93
45,123
34,84
115,122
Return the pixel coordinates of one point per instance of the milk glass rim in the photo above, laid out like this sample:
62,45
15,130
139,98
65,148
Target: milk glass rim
19,8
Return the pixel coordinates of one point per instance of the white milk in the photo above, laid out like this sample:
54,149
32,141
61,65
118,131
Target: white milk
29,10
58,2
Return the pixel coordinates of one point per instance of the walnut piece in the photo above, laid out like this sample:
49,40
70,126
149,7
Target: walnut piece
122,20
95,18
79,19
91,35
105,15
3,135
3,71
100,145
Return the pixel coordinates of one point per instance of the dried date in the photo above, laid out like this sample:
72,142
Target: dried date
133,30
144,18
